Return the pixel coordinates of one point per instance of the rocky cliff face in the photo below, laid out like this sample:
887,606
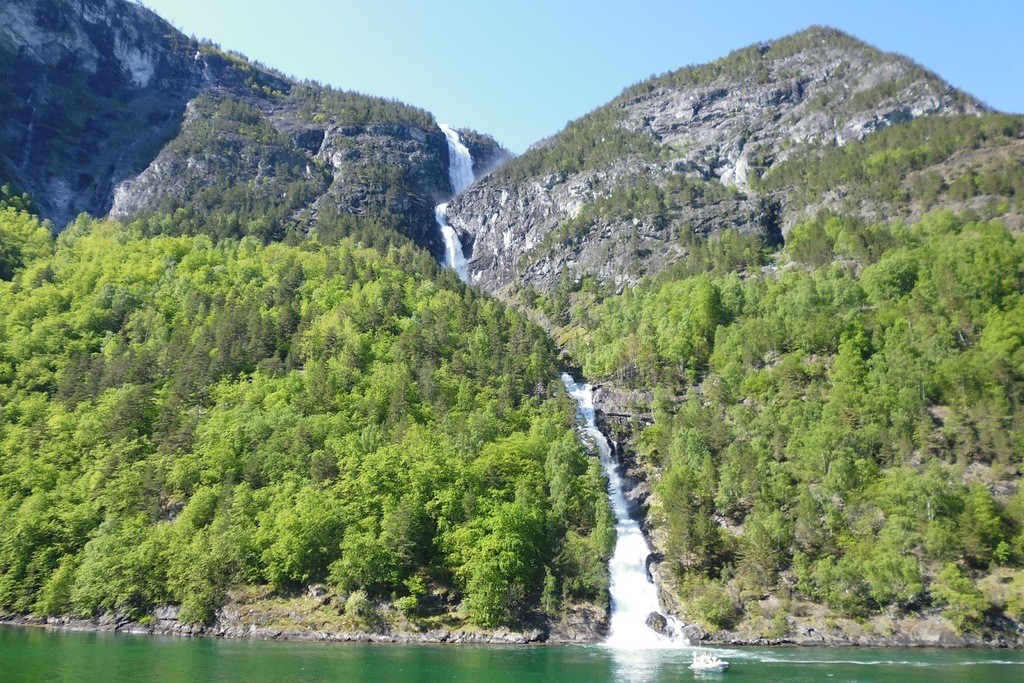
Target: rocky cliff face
486,152
694,142
299,152
89,92
108,108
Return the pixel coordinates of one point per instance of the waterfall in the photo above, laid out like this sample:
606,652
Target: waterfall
634,597
460,163
29,136
460,172
453,256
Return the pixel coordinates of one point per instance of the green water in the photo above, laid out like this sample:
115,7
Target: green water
38,655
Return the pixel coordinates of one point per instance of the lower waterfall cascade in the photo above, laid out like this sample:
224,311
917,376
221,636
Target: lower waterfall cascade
633,595
453,256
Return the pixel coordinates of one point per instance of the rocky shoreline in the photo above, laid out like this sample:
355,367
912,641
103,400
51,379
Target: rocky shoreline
263,622
172,627
929,631
926,632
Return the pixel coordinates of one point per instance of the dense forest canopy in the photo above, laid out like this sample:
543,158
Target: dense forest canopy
180,416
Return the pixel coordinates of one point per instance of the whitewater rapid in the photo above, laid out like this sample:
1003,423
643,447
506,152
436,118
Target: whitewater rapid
460,173
633,595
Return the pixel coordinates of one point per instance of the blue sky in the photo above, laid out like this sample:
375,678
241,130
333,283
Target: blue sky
521,69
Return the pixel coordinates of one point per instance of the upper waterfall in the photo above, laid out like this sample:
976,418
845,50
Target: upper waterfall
460,162
460,172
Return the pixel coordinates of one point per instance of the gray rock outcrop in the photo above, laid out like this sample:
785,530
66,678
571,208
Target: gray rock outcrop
89,93
718,126
486,152
658,623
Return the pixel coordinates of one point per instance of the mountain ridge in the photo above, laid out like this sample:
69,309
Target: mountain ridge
145,120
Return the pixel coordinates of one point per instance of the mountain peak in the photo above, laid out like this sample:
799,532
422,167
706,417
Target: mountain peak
712,129
826,34
90,91
798,55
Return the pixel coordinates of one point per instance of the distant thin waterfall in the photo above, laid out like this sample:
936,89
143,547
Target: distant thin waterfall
29,136
460,172
634,596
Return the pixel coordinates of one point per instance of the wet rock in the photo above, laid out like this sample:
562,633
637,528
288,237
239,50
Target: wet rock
658,623
653,559
694,633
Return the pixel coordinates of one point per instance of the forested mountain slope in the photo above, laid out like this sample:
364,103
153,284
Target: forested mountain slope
180,419
796,271
259,379
829,432
835,428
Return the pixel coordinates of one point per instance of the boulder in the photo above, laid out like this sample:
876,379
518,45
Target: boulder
657,622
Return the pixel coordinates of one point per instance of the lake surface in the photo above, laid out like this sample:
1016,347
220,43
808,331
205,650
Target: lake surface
38,655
